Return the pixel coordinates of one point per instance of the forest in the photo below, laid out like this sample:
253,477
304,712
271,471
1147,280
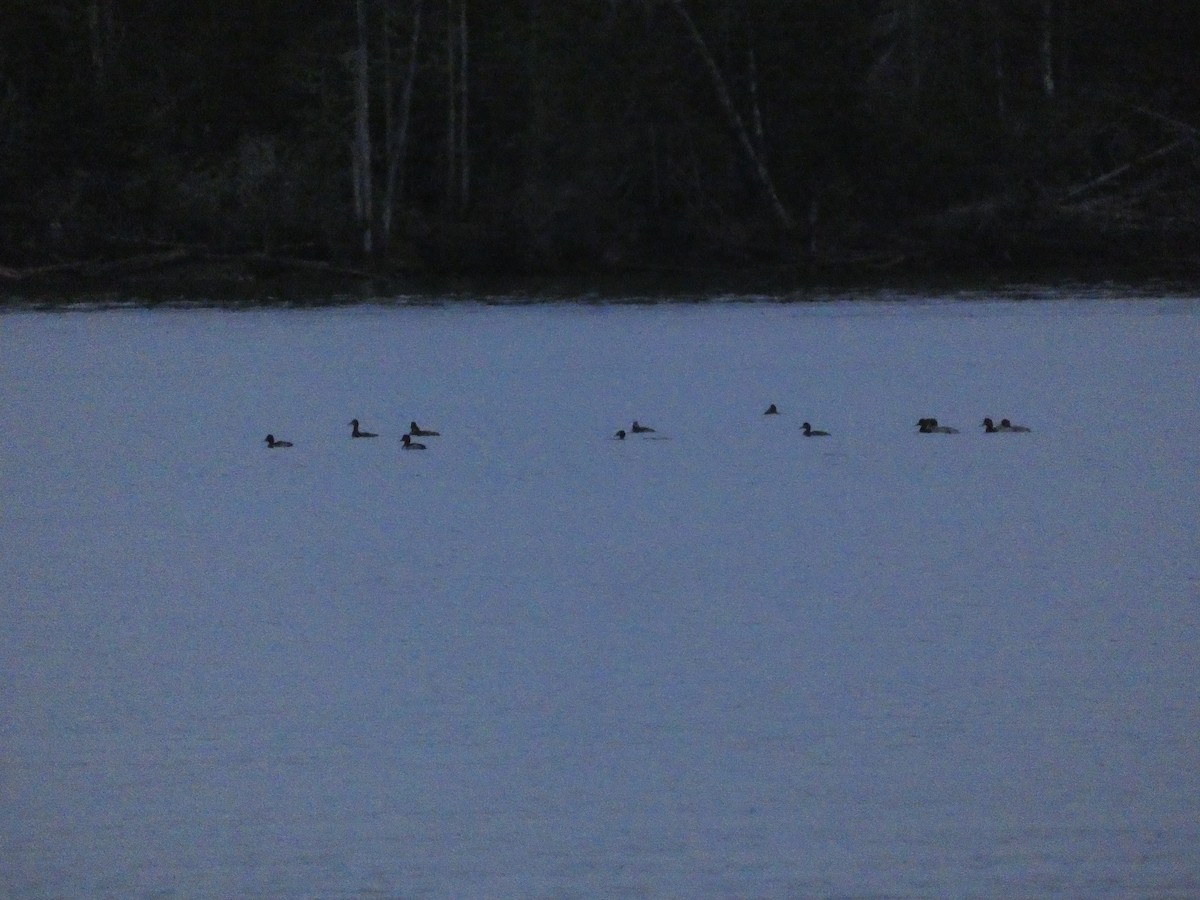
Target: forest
579,136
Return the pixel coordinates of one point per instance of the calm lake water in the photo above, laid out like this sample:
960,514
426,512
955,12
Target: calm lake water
722,660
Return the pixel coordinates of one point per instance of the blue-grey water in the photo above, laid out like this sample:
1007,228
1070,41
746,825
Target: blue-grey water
536,661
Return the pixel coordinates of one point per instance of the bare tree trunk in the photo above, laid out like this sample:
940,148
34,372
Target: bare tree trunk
1048,84
1064,45
655,169
101,34
537,122
398,135
814,220
998,65
752,75
389,79
735,121
457,170
756,110
464,164
915,51
361,156
451,104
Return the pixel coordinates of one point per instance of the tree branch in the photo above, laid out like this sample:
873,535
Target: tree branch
735,120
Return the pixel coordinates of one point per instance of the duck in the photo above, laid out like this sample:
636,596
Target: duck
809,431
771,411
641,429
931,426
356,433
272,443
417,431
407,443
620,435
1005,427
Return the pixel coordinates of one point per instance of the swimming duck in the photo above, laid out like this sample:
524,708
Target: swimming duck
356,433
641,429
408,443
416,431
1006,425
272,443
809,431
931,426
620,435
771,411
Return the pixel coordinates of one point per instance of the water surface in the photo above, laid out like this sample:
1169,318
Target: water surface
535,661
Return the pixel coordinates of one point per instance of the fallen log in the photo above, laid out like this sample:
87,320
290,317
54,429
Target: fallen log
1123,169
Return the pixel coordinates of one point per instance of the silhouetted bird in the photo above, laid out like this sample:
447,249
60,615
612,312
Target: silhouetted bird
931,426
1005,427
356,433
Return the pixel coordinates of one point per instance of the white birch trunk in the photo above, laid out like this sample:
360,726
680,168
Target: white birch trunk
735,121
363,201
1048,82
398,136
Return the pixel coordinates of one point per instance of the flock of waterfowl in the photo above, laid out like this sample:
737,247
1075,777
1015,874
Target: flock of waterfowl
406,440
924,426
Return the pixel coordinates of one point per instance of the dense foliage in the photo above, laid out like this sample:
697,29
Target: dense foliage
537,135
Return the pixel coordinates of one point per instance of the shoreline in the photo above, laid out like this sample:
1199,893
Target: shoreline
246,286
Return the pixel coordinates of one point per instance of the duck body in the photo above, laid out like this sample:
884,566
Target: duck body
771,411
809,431
1005,427
931,426
407,443
356,433
273,444
620,435
641,429
416,431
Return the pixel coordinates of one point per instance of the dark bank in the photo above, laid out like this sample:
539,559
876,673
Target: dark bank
252,146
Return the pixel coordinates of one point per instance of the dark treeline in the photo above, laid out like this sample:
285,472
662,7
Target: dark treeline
575,135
